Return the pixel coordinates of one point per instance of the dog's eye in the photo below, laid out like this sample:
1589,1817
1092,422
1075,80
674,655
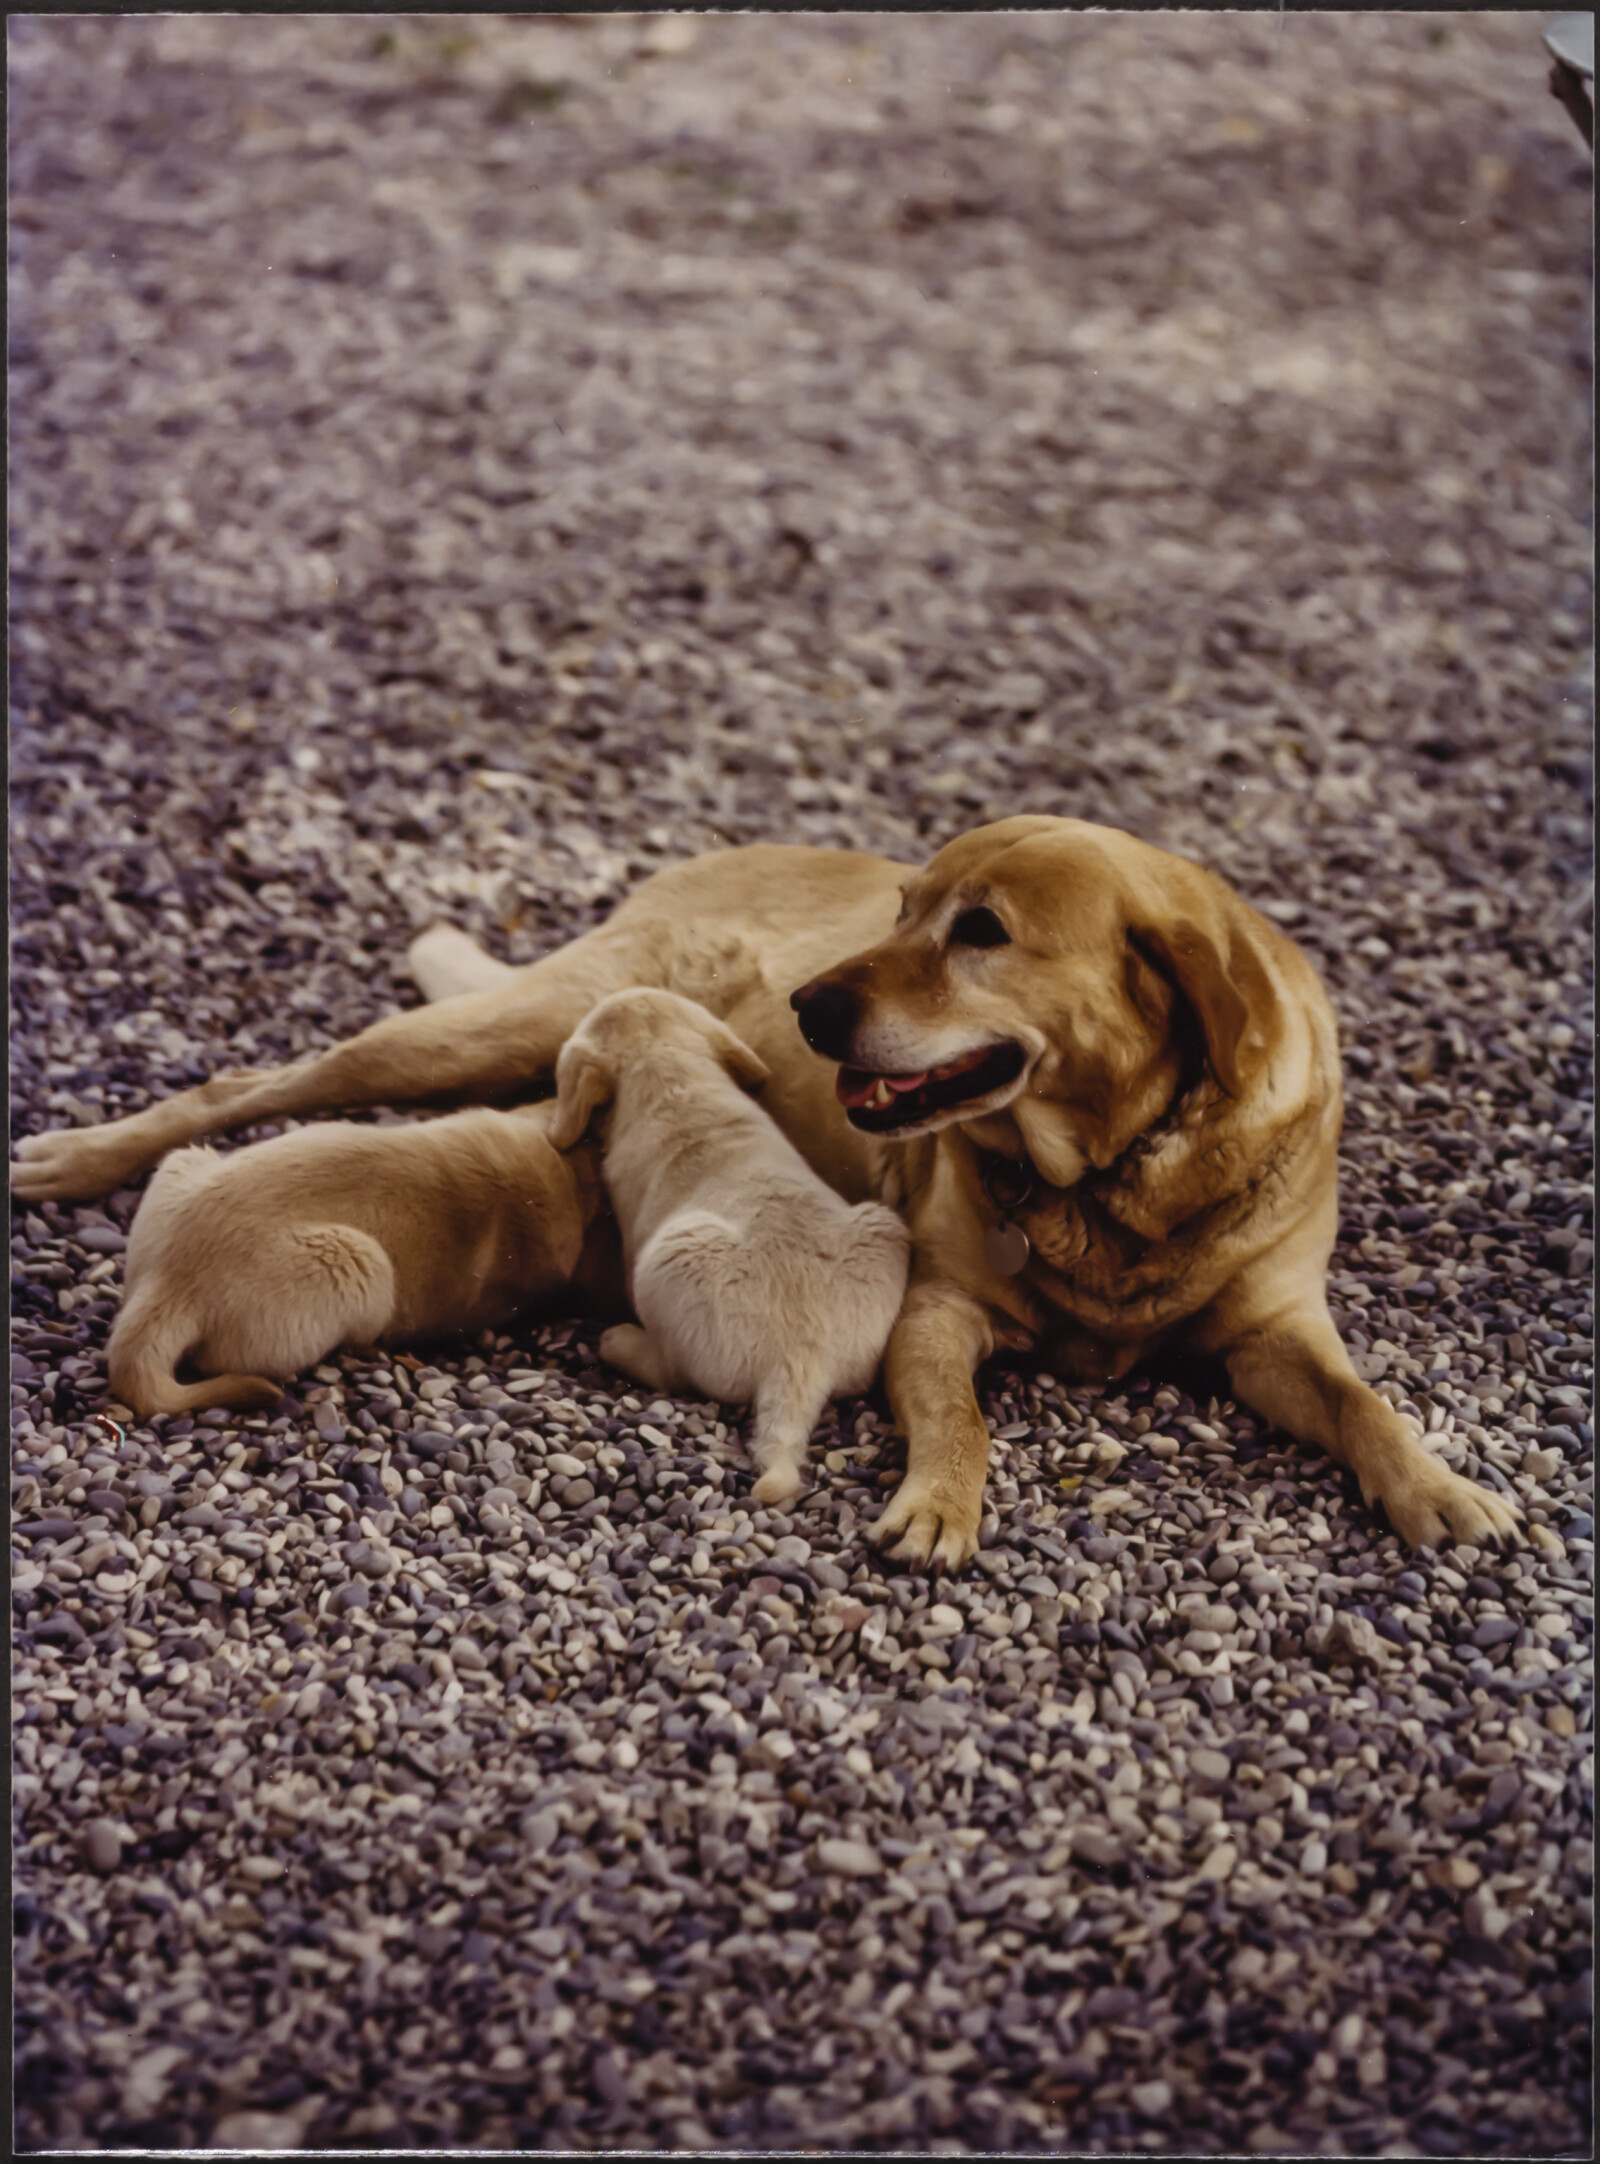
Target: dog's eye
979,928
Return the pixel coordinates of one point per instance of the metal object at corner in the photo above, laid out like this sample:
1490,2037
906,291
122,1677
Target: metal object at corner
1569,40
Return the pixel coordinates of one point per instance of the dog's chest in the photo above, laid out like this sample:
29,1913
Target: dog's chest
1079,1242
1097,1273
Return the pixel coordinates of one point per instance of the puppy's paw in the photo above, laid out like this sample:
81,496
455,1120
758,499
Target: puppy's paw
780,1483
938,1524
1432,1505
636,1353
620,1342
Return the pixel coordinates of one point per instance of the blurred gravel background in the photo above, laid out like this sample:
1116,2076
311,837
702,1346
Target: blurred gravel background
459,464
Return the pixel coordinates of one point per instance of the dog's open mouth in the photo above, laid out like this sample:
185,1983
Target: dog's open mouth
880,1103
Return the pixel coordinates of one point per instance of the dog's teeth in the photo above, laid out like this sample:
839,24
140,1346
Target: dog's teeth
882,1095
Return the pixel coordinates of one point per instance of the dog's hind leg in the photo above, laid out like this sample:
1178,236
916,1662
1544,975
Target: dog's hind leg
636,1352
477,1047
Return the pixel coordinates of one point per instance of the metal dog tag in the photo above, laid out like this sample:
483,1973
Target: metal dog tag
1005,1248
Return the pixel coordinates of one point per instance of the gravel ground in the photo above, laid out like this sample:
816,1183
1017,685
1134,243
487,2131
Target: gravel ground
459,464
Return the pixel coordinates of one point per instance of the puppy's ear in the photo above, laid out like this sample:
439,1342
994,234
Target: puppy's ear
1231,994
746,1068
583,1085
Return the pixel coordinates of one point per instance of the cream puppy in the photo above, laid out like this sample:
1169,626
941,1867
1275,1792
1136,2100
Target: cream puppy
256,1265
753,1282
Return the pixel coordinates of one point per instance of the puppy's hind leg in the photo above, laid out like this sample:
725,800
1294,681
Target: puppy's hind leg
636,1352
788,1406
317,1287
150,1337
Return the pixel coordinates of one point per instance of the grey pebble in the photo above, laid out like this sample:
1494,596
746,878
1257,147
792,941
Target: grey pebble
101,1239
102,1846
257,2130
538,1830
853,1859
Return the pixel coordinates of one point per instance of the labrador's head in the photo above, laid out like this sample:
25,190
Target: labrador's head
640,1031
1063,973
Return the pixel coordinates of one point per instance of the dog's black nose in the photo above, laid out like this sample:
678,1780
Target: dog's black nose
828,1013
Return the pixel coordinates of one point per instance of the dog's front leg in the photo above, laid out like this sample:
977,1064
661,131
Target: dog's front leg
1296,1371
939,1340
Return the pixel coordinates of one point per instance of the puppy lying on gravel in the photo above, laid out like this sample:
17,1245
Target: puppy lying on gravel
257,1265
752,1280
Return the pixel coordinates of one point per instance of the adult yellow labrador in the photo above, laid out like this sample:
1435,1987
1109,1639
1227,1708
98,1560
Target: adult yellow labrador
1104,1092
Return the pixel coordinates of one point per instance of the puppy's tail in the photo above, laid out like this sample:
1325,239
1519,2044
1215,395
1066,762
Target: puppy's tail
141,1361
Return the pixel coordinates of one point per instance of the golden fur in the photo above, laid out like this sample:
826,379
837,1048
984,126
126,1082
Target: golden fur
1186,1187
1179,1102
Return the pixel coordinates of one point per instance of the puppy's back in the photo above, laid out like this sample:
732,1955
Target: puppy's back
175,1188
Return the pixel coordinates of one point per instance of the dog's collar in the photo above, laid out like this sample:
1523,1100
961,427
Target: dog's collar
1012,1184
1008,1182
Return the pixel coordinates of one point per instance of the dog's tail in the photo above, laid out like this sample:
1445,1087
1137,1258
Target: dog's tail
142,1358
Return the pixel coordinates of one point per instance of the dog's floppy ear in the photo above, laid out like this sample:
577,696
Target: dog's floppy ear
745,1066
1231,994
584,1083
1203,1151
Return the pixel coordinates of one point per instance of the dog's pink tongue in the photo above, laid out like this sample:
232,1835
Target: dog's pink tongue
900,1083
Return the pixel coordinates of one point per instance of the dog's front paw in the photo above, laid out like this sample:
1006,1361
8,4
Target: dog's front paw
938,1524
1431,1505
